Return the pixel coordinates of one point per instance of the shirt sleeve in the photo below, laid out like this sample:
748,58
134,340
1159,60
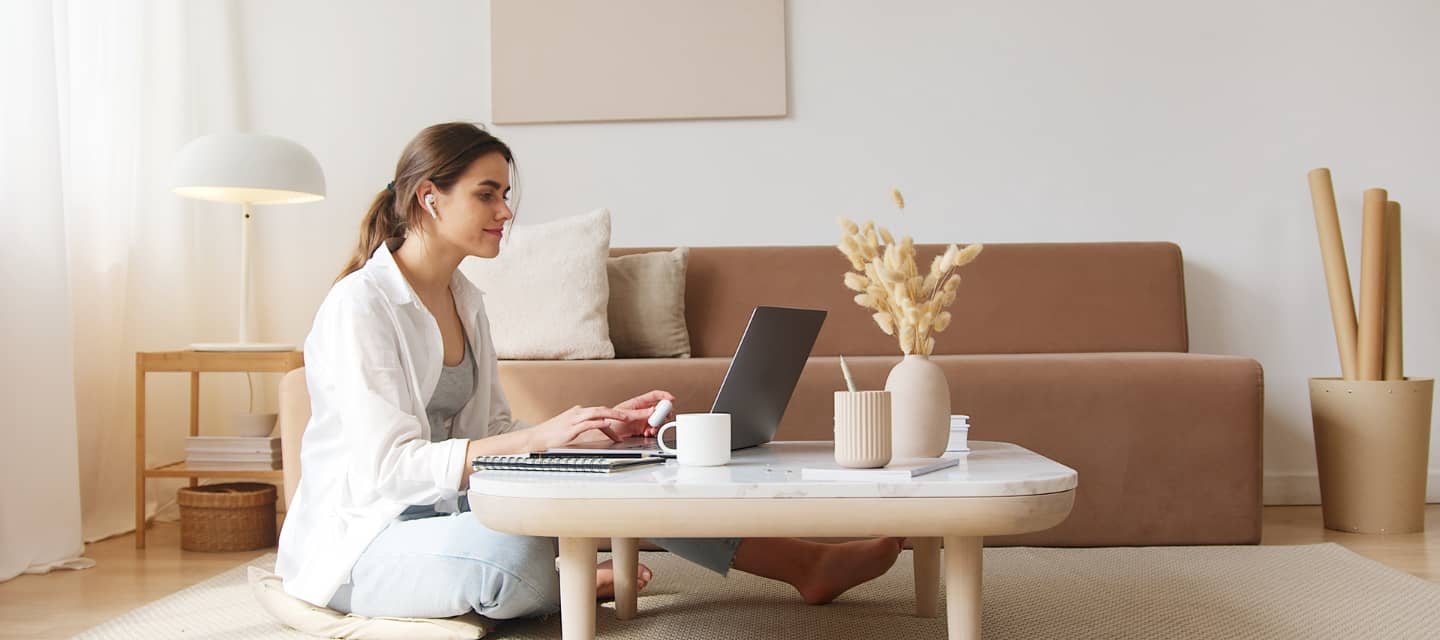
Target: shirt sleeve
355,352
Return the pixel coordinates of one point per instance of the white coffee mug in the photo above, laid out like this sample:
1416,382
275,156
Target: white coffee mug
701,439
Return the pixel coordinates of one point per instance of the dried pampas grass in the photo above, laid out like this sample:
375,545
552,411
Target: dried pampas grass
906,304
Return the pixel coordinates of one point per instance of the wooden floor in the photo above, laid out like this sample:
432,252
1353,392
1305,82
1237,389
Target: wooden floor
61,604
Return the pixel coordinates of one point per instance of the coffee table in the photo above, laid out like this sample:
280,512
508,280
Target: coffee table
997,489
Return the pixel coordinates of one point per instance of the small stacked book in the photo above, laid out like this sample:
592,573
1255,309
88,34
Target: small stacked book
232,453
552,462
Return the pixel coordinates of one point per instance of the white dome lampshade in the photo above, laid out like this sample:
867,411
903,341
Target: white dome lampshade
247,167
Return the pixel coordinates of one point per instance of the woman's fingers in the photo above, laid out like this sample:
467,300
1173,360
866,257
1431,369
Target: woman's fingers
599,413
628,429
619,415
615,423
600,424
633,403
647,400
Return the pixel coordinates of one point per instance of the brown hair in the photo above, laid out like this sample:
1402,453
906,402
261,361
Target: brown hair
440,153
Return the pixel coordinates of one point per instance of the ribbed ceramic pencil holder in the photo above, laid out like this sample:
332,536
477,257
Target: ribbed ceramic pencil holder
1372,450
862,429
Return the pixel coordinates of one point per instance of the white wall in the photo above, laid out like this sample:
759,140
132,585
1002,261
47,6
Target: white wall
1001,121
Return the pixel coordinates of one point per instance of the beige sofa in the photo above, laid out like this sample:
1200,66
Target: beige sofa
1076,351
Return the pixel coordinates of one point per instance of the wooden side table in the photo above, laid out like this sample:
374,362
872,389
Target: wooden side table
195,363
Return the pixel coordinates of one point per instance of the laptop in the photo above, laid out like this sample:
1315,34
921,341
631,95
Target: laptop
756,388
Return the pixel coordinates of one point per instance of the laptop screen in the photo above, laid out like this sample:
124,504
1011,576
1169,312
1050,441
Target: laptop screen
765,370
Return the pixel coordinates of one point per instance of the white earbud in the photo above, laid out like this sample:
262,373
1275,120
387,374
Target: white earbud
662,411
430,204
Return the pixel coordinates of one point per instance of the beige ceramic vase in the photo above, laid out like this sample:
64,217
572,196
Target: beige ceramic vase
919,408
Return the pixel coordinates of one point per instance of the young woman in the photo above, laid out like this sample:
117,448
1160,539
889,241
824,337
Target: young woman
402,378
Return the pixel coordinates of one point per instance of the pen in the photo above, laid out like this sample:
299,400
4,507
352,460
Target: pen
849,381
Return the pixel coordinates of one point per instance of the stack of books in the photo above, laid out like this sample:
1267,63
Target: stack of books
232,453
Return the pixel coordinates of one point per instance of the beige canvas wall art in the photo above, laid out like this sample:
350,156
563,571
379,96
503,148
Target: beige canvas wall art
598,60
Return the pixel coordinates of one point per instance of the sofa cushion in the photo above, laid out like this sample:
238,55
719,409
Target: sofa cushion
647,305
547,292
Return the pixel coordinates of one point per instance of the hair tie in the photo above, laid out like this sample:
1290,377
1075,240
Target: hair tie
390,187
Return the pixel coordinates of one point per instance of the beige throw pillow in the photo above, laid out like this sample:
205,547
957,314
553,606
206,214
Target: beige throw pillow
547,292
647,305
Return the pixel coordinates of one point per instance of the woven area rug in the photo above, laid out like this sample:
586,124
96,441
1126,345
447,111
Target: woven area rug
1313,591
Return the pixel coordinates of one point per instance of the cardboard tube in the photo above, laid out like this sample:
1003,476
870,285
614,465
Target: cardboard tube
1337,272
1394,315
1370,351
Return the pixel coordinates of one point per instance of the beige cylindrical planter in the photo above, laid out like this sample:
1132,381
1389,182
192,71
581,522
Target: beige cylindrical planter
920,408
862,429
1372,449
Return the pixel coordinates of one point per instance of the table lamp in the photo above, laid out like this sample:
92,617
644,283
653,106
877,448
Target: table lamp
247,169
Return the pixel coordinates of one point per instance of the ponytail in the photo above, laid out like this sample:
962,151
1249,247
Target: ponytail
440,153
379,224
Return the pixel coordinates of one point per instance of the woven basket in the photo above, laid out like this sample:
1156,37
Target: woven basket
234,516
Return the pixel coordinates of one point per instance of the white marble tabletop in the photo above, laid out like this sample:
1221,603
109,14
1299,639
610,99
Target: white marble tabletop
774,471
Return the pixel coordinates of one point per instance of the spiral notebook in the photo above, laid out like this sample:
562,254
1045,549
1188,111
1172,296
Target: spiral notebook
551,462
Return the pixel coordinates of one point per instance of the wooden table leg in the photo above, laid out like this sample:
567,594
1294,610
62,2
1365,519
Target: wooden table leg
139,454
927,576
195,414
963,565
625,553
577,588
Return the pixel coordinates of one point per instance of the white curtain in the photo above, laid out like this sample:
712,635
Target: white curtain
103,260
39,474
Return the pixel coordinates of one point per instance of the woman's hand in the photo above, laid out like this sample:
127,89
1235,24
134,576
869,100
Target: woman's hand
645,404
564,428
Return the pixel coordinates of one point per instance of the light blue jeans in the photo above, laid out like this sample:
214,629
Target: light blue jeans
447,565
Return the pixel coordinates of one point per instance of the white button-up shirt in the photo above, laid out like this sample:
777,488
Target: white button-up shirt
372,360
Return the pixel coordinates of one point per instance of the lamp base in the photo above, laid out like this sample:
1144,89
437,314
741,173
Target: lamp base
241,346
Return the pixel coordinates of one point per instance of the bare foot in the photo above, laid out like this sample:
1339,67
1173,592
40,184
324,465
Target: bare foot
842,566
605,580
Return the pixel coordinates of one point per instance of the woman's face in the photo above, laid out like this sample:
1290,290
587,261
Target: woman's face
473,213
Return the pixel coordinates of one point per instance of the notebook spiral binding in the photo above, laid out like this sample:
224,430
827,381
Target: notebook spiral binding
534,462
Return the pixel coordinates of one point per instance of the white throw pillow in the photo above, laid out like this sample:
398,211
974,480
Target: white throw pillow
329,623
547,292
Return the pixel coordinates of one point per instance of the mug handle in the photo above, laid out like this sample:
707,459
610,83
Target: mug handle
660,438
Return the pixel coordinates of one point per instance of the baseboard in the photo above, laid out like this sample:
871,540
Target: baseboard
1304,488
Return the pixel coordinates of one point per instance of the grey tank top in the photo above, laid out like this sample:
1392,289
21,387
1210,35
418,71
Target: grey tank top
456,386
454,389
